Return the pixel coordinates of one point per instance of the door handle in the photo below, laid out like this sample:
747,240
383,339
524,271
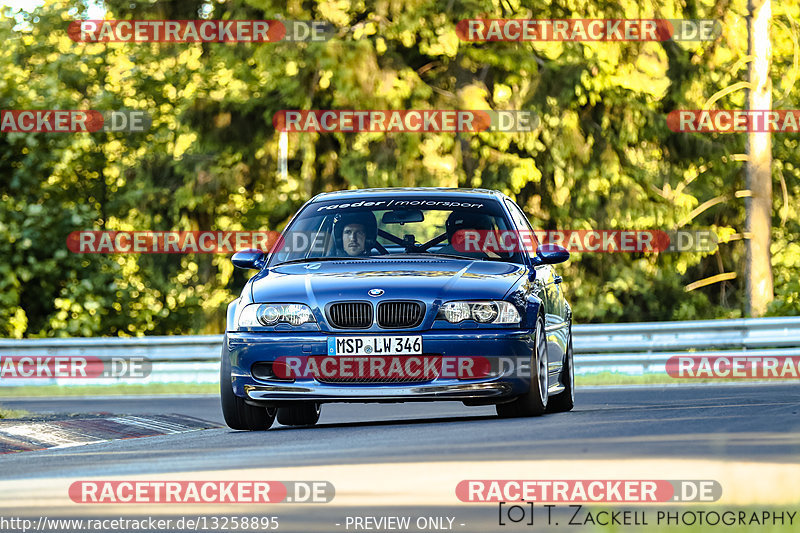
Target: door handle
558,279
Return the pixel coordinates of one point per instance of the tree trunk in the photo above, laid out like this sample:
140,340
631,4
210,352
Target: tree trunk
758,225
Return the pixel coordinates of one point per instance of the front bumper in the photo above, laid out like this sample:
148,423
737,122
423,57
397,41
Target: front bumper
246,349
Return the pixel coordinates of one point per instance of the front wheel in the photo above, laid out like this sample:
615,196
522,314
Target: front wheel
533,402
301,414
565,400
237,414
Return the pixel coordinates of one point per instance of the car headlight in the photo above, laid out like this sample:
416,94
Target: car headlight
255,315
484,312
455,312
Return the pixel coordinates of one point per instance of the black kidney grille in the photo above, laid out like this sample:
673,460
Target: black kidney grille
350,315
396,315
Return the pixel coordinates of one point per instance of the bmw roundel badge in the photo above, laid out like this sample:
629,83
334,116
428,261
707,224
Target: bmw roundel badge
375,292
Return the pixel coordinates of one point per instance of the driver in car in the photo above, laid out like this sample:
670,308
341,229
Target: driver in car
355,234
459,220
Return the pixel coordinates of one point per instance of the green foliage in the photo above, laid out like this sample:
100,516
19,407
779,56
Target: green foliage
602,158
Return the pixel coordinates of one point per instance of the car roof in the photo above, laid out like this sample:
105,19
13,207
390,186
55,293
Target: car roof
410,191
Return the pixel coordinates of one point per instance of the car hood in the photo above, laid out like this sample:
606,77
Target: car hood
427,280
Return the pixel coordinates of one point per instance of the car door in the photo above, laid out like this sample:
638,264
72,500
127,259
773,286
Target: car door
556,311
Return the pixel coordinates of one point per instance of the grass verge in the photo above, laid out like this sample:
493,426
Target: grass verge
615,378
109,390
12,413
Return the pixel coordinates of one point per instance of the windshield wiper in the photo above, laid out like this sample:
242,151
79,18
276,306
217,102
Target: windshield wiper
319,259
426,255
453,256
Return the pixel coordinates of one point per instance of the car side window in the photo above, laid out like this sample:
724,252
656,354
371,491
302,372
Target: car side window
522,224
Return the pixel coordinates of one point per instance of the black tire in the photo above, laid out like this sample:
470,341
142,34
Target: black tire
300,414
565,400
533,402
237,414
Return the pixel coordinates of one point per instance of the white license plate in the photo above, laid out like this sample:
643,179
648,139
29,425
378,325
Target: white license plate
397,345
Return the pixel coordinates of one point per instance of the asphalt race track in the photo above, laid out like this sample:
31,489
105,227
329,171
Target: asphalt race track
678,432
749,422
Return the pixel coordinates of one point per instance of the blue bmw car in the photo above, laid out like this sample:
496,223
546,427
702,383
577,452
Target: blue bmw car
395,295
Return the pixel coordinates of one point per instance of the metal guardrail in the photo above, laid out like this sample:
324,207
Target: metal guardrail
159,349
646,346
631,347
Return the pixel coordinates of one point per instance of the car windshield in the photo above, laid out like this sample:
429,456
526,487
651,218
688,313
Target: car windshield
380,227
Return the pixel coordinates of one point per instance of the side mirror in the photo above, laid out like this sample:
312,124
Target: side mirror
550,254
254,259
